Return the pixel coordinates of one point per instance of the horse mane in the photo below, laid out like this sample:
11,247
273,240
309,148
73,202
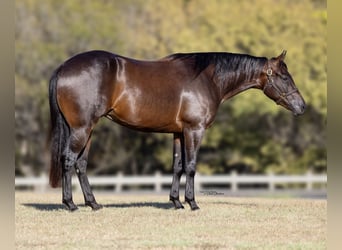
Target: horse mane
228,66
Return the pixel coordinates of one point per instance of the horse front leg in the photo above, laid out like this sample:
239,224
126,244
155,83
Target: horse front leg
192,141
178,170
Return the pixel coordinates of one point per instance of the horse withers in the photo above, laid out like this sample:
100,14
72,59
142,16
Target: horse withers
178,94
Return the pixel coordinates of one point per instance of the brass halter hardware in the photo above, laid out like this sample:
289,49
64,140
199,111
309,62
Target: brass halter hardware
269,72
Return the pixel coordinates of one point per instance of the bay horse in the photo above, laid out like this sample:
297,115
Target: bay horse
178,94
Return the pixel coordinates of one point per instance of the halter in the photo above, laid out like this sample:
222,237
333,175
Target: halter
282,96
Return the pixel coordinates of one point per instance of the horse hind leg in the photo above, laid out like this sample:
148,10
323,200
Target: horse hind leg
81,167
69,161
75,155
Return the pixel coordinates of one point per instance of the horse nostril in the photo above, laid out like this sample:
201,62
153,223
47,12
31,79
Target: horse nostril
304,106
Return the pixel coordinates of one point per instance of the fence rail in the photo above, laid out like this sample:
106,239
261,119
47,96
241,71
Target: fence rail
157,181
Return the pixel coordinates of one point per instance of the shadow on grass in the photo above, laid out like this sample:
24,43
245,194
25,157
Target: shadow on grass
54,207
45,206
235,204
159,205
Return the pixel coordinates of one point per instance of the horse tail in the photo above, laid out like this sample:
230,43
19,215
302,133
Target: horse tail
59,134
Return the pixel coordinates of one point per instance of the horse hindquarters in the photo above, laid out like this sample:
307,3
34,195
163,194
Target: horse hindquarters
61,162
69,148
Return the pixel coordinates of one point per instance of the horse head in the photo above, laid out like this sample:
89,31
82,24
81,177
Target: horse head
280,87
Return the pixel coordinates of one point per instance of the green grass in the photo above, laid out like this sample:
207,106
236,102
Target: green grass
150,222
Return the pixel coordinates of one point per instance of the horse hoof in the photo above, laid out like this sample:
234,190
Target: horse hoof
193,204
94,205
73,209
70,206
97,207
195,208
180,206
176,203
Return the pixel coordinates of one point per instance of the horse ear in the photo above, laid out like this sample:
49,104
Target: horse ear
281,57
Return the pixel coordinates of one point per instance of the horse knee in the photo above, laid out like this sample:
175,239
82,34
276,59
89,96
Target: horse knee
190,169
178,168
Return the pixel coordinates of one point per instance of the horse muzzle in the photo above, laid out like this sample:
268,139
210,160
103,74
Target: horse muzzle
297,107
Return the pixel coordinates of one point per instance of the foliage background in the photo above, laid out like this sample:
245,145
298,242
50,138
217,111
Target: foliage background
251,133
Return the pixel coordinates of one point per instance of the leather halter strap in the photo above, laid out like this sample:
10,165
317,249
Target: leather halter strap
282,96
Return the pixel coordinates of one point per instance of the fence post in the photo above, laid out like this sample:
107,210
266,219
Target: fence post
234,185
309,184
157,182
198,182
119,181
41,186
271,181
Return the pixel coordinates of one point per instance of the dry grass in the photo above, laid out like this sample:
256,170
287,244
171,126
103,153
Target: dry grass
150,222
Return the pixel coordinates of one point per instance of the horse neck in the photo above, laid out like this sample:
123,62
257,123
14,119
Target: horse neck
232,82
238,88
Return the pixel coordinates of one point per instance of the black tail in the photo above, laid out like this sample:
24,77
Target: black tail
59,134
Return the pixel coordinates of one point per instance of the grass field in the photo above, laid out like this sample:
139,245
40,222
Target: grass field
150,222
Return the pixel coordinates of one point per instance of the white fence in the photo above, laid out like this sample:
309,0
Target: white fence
157,181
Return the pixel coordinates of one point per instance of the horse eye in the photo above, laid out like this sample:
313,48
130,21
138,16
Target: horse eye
283,77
